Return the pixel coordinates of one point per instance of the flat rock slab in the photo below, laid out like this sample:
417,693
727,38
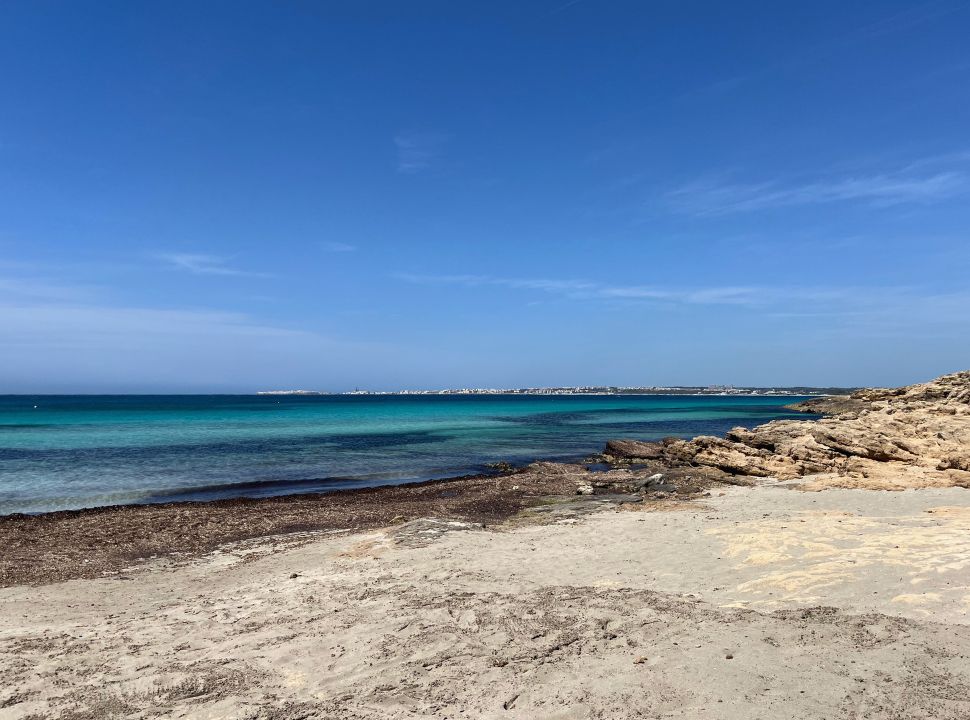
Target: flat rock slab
572,507
424,531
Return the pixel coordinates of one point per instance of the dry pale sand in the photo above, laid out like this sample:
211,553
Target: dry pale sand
758,603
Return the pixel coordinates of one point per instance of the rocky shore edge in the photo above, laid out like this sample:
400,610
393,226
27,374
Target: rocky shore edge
888,439
881,439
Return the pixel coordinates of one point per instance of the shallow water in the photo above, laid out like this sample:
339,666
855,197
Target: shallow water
59,452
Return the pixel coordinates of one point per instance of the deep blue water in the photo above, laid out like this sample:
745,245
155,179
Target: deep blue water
59,452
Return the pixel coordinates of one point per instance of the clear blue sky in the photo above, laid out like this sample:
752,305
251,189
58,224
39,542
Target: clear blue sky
233,196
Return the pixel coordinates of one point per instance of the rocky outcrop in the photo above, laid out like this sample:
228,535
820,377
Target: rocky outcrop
829,405
909,437
633,450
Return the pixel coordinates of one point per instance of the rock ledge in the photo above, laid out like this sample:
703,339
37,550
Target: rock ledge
877,438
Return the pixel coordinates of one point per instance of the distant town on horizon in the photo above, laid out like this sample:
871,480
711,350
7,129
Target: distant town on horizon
591,390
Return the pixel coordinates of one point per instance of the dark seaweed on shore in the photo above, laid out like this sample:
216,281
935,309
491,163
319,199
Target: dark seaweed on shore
89,543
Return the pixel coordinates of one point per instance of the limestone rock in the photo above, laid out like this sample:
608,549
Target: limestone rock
633,450
955,462
915,436
646,483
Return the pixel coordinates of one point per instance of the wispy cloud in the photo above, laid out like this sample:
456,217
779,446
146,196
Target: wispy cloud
862,310
906,20
200,264
59,337
712,197
338,247
21,289
557,286
586,290
417,152
564,6
768,301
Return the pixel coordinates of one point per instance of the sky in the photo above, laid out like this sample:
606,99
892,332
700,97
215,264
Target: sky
239,196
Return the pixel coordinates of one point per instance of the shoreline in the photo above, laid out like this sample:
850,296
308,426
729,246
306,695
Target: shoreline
845,447
551,591
297,461
92,542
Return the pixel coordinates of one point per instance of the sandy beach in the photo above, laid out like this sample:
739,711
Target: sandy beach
585,595
551,360
758,603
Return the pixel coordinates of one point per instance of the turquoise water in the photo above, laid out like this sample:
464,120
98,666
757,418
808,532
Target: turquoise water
59,452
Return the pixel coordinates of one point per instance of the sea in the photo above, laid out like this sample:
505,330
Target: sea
67,452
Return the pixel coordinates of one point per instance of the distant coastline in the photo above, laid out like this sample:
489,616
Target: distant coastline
714,390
